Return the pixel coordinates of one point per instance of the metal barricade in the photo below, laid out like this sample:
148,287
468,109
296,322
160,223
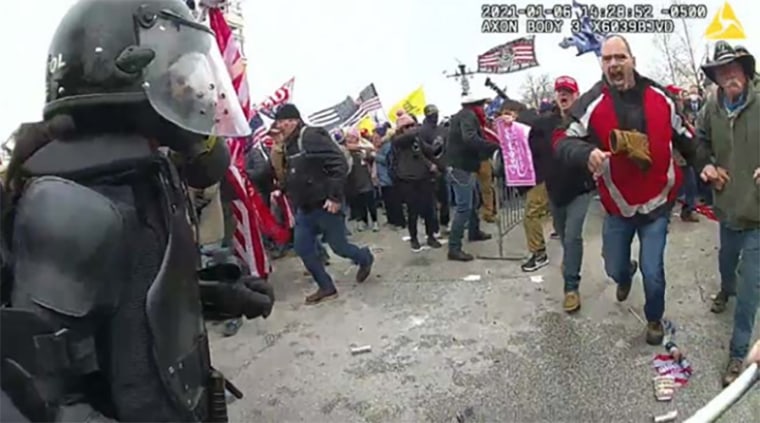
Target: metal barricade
511,212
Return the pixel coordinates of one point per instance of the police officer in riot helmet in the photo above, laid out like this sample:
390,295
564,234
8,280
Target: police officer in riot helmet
101,306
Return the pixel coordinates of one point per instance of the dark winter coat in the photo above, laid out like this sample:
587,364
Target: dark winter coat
412,158
360,178
466,147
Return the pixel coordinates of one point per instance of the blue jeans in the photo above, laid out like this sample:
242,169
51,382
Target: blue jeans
739,250
332,226
617,235
568,223
689,189
705,191
466,198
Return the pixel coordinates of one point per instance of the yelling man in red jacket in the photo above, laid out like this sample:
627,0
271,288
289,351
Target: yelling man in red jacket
624,130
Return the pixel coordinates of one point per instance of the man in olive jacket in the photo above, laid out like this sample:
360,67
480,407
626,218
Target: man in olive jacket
465,148
728,131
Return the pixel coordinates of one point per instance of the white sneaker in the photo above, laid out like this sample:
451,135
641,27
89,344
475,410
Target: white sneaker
375,227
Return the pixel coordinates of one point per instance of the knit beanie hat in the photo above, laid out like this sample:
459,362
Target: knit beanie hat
287,111
404,120
353,132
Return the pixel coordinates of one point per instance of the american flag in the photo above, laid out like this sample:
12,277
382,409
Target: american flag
368,102
249,209
509,57
258,128
334,116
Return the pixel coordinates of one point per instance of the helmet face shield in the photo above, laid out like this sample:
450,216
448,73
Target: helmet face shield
187,82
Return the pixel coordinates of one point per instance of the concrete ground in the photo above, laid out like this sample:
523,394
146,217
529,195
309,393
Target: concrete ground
498,349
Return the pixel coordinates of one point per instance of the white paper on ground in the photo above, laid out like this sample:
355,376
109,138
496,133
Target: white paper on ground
471,278
537,279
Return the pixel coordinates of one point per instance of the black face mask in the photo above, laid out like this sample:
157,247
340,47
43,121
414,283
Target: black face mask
432,118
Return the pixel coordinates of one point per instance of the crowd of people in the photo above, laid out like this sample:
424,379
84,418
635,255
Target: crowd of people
101,292
638,145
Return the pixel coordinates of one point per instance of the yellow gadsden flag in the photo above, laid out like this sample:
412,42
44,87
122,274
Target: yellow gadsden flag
725,25
414,104
367,123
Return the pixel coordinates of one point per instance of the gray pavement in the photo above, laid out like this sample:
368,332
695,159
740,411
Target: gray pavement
495,350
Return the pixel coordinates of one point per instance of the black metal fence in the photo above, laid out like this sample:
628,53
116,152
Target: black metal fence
511,212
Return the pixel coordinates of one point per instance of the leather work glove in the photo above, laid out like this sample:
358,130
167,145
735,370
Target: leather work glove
633,144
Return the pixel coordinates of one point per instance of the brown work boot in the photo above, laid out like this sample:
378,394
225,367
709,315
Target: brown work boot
720,302
689,216
572,302
733,370
319,296
655,333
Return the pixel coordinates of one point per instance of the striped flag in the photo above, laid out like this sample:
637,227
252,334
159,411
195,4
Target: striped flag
509,57
334,116
258,127
249,210
368,102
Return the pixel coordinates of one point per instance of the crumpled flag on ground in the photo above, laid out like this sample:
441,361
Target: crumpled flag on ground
665,364
681,371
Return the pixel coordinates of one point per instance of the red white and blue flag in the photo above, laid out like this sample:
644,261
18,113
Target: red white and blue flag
260,130
252,216
281,96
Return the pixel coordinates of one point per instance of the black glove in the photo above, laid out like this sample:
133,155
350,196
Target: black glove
249,297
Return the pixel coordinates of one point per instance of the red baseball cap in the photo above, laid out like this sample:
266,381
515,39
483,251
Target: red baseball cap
673,89
566,83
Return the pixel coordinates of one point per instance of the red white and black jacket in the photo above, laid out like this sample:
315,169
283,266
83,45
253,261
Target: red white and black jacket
624,189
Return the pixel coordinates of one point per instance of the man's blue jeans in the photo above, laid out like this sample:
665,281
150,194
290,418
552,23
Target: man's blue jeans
617,235
465,188
689,189
568,222
309,225
739,250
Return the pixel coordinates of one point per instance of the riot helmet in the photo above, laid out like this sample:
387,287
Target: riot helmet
112,52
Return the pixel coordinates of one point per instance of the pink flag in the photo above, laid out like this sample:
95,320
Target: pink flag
249,210
518,160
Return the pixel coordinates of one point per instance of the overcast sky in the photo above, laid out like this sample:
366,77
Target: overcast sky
336,47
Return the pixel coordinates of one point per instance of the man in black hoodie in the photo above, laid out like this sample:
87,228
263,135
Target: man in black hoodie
434,135
315,182
414,169
569,190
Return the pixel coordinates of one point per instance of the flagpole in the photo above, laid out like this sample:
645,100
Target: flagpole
462,75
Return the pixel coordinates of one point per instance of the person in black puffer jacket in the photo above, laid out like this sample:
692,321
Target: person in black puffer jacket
414,169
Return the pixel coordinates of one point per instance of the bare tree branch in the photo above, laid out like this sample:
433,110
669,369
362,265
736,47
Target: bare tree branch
678,52
535,89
